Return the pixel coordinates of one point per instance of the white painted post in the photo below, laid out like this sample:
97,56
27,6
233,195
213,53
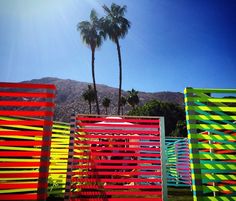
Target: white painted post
70,158
163,159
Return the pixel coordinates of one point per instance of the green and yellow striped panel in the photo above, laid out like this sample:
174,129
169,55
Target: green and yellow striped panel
211,124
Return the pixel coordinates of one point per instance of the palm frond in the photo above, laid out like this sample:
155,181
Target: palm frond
106,9
115,24
91,31
93,15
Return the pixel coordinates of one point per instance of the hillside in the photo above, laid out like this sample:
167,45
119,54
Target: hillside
69,97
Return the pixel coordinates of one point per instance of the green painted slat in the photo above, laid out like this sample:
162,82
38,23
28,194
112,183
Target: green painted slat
211,100
222,177
217,166
210,156
210,117
219,188
214,146
206,90
210,108
218,198
213,126
213,137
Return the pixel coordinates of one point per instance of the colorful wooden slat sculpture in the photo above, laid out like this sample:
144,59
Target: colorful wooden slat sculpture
25,153
211,122
105,159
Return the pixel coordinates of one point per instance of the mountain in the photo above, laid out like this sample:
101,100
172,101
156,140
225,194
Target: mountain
69,97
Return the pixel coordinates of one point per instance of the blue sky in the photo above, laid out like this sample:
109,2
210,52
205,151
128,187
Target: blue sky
171,44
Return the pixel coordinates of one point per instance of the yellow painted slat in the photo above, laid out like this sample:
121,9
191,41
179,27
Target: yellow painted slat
213,146
209,108
211,117
213,137
210,99
18,190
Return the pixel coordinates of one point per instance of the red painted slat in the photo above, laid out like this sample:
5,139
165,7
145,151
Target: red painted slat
133,173
117,154
120,167
21,185
22,164
122,149
26,103
24,133
22,153
26,122
20,175
22,143
117,161
116,125
131,193
104,131
116,180
89,142
19,197
157,187
25,113
26,94
121,137
101,119
27,85
116,199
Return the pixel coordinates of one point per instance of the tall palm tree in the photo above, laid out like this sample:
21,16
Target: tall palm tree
92,36
116,26
106,103
133,98
122,104
89,95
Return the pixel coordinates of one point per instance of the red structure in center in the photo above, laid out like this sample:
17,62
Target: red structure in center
116,158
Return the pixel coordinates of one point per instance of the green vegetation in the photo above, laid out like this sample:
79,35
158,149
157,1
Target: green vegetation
122,104
89,95
174,116
133,98
106,103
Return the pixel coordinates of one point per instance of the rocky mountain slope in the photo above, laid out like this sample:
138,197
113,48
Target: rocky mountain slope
69,97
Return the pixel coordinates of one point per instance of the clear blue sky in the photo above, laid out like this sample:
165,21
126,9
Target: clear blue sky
171,44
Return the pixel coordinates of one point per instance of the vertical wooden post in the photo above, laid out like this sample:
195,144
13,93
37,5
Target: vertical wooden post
163,159
70,158
194,152
45,153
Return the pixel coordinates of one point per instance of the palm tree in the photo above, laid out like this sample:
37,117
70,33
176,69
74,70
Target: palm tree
116,26
133,98
122,104
92,36
106,103
89,95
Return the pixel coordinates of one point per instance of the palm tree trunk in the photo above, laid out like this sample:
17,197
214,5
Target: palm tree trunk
90,108
94,82
120,74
